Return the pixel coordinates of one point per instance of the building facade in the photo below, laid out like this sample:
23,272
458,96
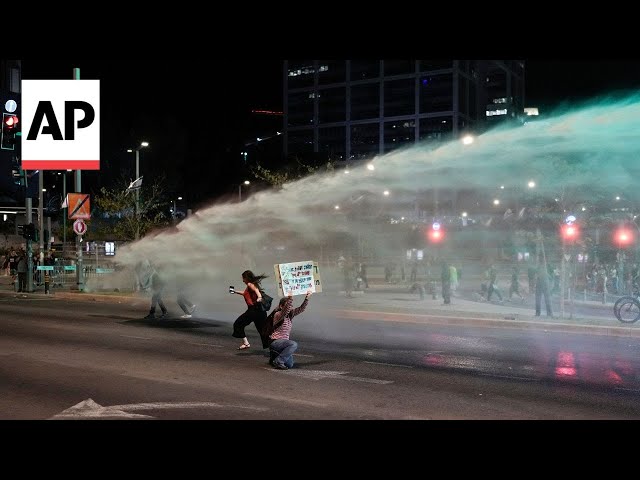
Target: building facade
351,110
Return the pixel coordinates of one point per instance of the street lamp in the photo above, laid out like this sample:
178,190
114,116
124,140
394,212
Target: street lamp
174,207
137,150
246,182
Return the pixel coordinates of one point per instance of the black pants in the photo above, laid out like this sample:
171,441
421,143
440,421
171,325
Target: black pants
540,292
22,281
254,314
446,292
156,299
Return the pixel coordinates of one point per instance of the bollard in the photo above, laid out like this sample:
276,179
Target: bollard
46,282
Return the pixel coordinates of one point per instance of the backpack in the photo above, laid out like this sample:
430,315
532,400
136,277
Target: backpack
268,328
266,300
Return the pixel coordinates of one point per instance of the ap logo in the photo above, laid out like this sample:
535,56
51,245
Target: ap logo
61,124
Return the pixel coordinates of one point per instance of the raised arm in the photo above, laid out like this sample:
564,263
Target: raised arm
303,305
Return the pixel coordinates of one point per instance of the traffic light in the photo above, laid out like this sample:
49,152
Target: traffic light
623,237
30,232
570,232
21,231
9,129
436,233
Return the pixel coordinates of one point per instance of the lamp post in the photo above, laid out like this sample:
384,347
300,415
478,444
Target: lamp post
137,150
246,182
64,211
174,208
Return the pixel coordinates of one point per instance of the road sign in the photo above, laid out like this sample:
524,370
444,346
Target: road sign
79,227
78,205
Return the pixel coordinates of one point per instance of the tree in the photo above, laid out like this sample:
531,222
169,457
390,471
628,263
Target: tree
117,210
294,170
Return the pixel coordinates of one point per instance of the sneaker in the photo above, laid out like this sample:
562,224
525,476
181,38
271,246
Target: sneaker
186,315
280,366
164,315
151,316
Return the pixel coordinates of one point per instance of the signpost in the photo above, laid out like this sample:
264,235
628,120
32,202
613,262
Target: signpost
79,227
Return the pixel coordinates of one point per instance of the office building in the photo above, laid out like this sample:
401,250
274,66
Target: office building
350,110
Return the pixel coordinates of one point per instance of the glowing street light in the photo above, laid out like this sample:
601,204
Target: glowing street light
246,182
467,140
531,184
174,212
137,150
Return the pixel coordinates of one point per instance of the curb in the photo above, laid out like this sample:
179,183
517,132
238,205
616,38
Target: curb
438,319
76,296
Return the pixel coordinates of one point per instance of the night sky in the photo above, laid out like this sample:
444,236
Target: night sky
196,113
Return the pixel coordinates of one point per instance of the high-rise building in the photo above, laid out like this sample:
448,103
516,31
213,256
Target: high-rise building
349,110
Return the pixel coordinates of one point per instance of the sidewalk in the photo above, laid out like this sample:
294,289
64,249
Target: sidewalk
394,302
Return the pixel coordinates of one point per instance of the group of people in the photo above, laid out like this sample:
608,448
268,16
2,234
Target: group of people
281,347
539,281
17,264
150,279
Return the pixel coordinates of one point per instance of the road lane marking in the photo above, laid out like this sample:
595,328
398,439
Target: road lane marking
90,409
286,399
320,374
207,345
510,377
390,364
132,336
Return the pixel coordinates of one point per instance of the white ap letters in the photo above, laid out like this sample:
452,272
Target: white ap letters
61,119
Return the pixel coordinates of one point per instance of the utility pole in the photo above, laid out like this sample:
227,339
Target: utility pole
78,182
137,193
64,212
27,205
41,216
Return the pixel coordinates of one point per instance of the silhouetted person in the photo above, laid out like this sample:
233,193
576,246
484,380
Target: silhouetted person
22,273
542,289
445,278
363,274
515,284
157,288
492,274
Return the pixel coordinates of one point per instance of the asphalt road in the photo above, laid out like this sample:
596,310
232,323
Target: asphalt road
69,359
